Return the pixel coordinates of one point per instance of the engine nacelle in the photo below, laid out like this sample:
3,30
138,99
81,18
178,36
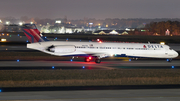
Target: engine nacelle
61,49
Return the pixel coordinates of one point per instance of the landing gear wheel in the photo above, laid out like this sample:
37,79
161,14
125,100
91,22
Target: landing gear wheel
98,60
169,60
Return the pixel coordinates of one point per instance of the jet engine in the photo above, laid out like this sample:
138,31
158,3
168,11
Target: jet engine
61,49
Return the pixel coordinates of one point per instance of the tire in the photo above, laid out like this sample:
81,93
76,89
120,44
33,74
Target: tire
169,60
98,60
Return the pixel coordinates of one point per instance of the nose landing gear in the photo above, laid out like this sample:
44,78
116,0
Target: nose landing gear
169,60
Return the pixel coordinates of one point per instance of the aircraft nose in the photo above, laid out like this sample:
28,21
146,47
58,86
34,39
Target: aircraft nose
176,54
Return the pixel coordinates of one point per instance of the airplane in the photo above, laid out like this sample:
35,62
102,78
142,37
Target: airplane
96,50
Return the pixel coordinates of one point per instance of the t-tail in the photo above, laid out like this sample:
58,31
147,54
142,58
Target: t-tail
32,33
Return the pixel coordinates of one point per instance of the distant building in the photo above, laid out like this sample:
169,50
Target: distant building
110,32
61,28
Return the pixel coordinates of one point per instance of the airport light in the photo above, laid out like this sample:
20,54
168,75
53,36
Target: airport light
83,67
52,67
91,23
7,22
31,22
162,43
58,21
172,66
20,23
17,60
0,90
3,40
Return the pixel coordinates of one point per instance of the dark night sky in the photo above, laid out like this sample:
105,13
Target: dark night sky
99,9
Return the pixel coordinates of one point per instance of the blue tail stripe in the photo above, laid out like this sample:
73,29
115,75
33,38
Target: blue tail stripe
32,37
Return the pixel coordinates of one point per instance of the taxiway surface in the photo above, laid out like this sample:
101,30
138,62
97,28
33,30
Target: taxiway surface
95,95
106,64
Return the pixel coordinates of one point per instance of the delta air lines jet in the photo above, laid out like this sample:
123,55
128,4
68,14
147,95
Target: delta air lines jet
96,50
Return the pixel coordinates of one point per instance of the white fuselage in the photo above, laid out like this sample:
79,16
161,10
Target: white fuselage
104,49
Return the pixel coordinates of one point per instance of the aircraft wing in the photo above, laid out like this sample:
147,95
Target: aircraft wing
100,55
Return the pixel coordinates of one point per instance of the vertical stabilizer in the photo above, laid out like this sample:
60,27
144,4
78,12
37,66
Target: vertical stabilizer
32,33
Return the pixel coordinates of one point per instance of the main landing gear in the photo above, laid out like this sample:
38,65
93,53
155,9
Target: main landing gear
98,60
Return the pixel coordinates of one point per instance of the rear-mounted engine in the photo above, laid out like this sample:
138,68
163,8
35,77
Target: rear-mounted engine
61,49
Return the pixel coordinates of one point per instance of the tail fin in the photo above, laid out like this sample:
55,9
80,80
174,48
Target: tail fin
32,33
